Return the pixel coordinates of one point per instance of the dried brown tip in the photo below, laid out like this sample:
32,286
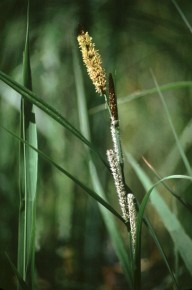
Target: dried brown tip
112,99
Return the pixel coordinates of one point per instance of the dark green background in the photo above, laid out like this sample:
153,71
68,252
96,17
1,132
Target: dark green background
133,37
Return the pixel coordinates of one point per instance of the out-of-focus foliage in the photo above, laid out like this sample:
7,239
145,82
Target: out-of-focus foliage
73,249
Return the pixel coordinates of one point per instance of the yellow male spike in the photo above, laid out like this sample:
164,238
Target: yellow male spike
92,61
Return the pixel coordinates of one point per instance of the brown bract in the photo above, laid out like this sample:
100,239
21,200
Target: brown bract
113,99
92,61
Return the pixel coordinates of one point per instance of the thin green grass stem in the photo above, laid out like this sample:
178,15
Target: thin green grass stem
182,15
178,234
181,151
28,178
90,192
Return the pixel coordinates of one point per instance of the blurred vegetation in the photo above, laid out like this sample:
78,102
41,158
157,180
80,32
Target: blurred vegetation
73,248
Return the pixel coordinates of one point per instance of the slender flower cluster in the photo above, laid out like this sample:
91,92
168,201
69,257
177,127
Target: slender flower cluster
115,158
114,155
113,162
115,138
132,218
92,61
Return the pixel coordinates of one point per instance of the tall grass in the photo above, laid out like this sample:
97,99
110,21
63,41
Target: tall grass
124,221
28,178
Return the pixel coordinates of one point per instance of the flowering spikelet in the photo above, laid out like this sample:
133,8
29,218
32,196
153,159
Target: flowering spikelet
118,183
92,61
114,121
132,218
116,140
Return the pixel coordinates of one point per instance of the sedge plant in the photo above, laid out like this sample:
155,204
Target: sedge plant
127,201
132,213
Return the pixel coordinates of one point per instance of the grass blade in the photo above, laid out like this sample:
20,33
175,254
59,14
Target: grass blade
160,248
22,283
49,110
182,15
180,238
92,193
172,158
142,211
181,151
28,177
179,198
